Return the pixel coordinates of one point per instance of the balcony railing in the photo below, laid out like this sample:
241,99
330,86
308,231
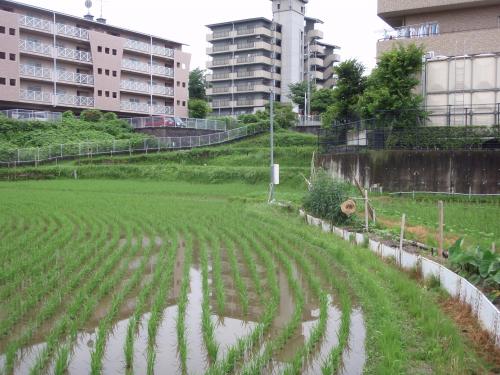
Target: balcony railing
135,86
35,71
73,31
246,45
421,30
135,65
137,45
163,51
80,78
245,74
221,75
162,110
221,62
245,102
73,54
163,70
221,48
241,88
35,23
134,107
221,90
245,59
246,31
36,96
35,47
221,104
221,34
75,100
163,90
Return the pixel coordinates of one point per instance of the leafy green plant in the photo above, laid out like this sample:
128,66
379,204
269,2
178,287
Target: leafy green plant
91,115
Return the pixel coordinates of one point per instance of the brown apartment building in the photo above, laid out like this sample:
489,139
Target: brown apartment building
53,61
461,38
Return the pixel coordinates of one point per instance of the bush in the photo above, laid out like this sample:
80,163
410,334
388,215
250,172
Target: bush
91,115
110,116
248,118
68,115
325,198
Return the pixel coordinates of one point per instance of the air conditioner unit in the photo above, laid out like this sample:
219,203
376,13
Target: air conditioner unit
430,55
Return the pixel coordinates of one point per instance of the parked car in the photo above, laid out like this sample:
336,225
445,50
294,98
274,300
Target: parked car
159,121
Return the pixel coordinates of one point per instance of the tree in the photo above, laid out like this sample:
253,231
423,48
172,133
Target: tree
350,86
390,97
321,100
197,84
198,108
298,93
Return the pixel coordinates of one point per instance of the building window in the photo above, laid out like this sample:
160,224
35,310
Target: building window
2,29
114,73
12,31
2,81
99,93
183,103
99,71
12,57
107,94
184,84
107,51
99,48
107,72
114,52
115,95
12,82
178,64
279,6
178,84
178,102
2,55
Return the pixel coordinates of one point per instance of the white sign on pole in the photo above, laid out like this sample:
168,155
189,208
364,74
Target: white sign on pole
276,174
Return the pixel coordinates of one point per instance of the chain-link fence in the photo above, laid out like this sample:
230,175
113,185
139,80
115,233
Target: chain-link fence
22,156
177,122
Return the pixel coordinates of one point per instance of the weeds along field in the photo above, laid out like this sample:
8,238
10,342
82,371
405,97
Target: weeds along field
140,276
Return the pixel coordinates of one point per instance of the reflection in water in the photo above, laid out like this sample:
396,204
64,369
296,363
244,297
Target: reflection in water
354,356
228,331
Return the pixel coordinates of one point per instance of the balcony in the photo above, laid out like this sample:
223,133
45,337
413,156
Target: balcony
315,61
135,86
72,77
162,110
317,75
317,49
75,100
73,54
219,76
163,90
258,45
223,34
243,32
219,62
315,34
224,48
250,103
163,71
136,66
422,30
330,59
163,51
253,88
36,96
134,107
137,46
219,90
35,47
72,31
256,74
33,71
35,23
221,103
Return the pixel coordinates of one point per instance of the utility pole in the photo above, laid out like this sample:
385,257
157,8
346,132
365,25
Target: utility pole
271,116
308,102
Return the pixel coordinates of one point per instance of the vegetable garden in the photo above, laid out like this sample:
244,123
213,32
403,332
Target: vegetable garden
148,277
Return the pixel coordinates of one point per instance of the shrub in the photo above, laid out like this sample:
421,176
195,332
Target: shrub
68,115
248,118
91,115
110,116
325,198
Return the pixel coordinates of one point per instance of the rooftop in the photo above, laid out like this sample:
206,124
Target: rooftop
246,20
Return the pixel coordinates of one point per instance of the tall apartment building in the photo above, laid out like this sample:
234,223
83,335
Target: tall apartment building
461,39
249,55
54,61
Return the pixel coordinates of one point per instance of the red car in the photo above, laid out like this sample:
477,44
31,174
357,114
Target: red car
160,121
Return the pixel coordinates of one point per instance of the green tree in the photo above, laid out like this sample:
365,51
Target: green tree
197,84
198,108
390,97
298,93
321,100
350,86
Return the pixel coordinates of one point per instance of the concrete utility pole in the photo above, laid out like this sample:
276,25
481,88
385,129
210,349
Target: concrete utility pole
271,115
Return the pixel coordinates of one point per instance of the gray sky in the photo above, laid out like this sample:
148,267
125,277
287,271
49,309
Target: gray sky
350,24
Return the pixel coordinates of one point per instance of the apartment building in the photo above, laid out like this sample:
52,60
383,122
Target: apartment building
461,38
53,61
251,56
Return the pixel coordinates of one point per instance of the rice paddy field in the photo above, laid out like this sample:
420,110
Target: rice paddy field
164,277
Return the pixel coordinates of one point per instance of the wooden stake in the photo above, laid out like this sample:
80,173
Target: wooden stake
493,248
401,237
441,228
366,210
374,217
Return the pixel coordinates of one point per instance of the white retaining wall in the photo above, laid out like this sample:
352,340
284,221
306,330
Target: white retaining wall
458,287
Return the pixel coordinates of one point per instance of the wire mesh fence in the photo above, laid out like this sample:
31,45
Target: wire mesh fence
177,122
23,156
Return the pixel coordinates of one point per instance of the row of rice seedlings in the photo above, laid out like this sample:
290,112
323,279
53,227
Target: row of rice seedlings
182,303
256,365
142,299
48,311
159,305
86,298
217,278
207,325
48,291
244,345
332,363
238,281
106,323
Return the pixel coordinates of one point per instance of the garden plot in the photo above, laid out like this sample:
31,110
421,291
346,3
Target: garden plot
133,277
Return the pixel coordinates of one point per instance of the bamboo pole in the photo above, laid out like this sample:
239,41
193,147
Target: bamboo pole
401,238
441,228
366,210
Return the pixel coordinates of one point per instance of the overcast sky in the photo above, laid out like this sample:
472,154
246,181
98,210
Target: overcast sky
351,24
